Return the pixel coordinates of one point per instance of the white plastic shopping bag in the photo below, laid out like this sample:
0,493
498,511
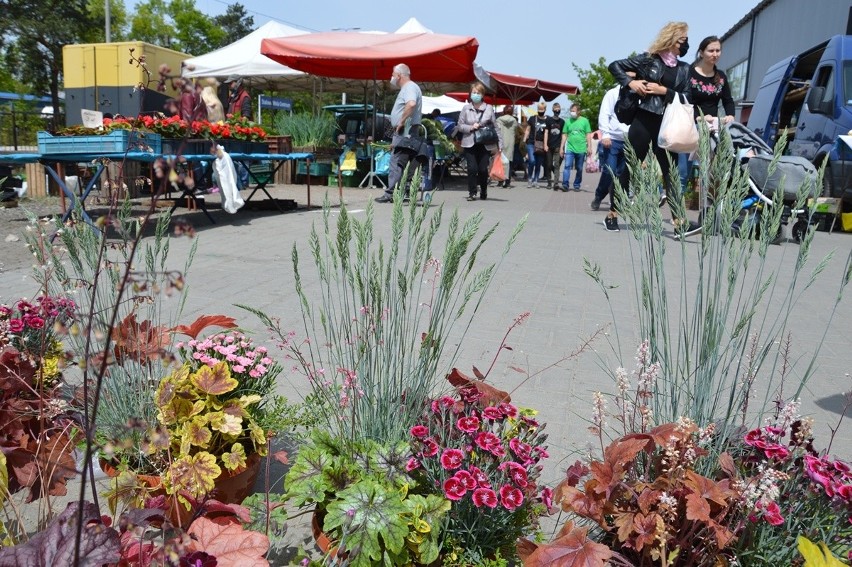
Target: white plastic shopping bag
678,132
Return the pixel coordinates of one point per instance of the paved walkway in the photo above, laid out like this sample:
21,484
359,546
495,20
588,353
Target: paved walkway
245,258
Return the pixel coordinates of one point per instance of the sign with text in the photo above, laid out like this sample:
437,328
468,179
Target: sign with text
276,103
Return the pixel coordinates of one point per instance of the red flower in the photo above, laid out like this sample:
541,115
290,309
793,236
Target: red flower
451,459
484,497
430,448
480,477
486,440
516,472
412,464
470,395
508,410
16,326
492,413
511,497
420,431
453,489
521,449
442,403
818,471
772,513
466,479
752,436
774,451
468,424
547,499
845,492
34,322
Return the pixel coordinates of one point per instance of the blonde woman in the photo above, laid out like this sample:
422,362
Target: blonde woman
215,110
657,77
476,115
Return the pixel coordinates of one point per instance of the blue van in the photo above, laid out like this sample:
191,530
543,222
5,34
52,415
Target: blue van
807,100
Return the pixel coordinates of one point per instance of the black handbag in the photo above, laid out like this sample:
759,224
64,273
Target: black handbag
486,133
627,105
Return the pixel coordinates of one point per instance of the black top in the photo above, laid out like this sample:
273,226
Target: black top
706,92
554,131
537,126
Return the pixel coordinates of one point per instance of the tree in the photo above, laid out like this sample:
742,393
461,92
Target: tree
117,17
235,22
36,32
594,82
176,25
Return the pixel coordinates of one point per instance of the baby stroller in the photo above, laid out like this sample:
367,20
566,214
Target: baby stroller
790,173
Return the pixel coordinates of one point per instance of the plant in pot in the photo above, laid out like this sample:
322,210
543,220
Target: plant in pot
485,455
366,506
311,133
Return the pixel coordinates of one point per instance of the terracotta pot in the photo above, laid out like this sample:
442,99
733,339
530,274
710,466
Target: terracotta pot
229,488
322,539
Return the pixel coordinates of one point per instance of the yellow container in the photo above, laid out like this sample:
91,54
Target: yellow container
846,222
87,65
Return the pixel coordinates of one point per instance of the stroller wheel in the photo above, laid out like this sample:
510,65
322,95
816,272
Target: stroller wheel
799,230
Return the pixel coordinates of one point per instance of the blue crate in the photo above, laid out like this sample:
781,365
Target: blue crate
117,141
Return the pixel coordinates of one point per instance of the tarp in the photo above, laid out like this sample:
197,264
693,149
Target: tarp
444,103
243,58
432,57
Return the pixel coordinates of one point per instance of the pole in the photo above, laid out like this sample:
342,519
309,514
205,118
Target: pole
107,23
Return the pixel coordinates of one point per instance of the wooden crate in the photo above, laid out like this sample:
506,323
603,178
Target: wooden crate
36,180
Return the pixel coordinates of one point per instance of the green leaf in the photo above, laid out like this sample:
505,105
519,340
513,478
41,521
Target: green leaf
4,478
306,482
429,509
370,518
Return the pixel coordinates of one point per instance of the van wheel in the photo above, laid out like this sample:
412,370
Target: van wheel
827,183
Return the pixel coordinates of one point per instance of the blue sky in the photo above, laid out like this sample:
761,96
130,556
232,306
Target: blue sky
538,39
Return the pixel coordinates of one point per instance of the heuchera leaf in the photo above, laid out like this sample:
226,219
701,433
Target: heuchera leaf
141,342
306,481
214,380
228,542
370,515
194,329
490,394
54,546
194,473
572,548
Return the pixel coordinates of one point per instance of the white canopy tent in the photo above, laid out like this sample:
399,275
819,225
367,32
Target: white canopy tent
444,103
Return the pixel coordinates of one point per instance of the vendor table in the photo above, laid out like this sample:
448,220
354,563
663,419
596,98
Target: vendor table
277,160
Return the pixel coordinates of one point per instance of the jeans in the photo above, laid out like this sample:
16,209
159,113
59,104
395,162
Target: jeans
573,161
534,163
612,163
684,167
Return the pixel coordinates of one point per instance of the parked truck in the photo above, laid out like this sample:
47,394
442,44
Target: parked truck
807,100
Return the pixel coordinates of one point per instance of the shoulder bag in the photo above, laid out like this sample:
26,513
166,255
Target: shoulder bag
627,105
486,133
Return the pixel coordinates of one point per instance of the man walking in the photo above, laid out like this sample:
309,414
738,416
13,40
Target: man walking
576,141
407,136
552,143
613,133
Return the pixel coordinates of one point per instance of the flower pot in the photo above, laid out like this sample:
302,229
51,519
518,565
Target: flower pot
229,488
322,539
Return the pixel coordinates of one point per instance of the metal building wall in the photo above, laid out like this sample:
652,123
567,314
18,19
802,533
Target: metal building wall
780,28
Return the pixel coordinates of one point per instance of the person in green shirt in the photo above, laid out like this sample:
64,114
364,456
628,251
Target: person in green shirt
576,141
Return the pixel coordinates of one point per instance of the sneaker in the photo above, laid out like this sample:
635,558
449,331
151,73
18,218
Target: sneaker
685,229
529,183
483,195
611,224
383,199
471,197
535,184
596,205
565,189
548,185
663,199
577,189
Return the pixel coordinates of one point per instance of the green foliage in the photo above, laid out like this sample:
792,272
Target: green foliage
376,340
118,21
307,129
594,82
369,505
236,24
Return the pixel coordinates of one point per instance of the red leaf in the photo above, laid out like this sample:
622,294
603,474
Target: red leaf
490,394
212,508
203,322
726,463
479,375
572,549
516,369
141,342
229,543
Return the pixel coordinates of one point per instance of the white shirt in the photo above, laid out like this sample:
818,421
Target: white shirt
607,122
